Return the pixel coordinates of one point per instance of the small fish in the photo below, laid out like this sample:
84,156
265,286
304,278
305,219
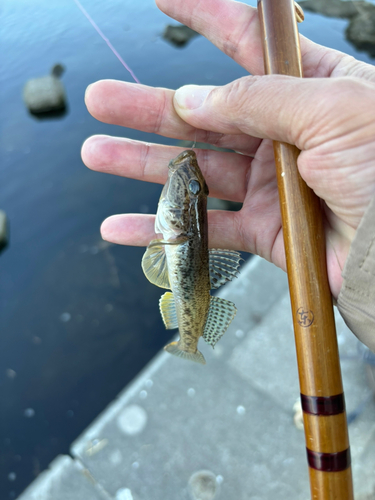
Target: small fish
181,262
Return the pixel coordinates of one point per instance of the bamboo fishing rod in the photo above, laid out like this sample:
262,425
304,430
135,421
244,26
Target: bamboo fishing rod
322,397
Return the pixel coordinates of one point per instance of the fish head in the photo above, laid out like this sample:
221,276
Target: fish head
183,195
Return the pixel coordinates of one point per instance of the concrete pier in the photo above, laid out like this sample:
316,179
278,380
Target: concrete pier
226,430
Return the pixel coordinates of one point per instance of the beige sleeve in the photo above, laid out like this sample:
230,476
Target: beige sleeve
356,300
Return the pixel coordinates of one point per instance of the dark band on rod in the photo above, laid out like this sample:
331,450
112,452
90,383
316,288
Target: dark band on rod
319,405
329,462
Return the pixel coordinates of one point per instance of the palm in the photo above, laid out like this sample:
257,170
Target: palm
249,177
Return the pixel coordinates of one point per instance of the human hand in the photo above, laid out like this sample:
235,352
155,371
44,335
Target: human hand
330,118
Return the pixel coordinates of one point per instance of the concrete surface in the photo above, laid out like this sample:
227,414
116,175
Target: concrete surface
66,479
182,431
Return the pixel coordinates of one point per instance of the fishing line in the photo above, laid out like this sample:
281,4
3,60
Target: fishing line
101,34
195,140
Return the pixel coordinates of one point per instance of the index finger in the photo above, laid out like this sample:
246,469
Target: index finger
151,110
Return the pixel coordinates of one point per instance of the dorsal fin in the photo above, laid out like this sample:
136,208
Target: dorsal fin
223,266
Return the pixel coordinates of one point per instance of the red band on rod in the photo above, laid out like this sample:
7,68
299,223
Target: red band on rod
329,462
319,405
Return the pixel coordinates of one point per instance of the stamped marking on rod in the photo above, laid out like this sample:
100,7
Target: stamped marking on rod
305,317
329,462
319,405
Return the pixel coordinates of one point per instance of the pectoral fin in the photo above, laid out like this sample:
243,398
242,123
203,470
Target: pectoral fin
154,261
168,311
154,264
223,266
220,316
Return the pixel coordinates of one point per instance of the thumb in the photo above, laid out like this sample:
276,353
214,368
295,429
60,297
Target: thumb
304,112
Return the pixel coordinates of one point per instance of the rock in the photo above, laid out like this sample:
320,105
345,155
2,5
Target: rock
361,29
178,35
57,70
3,230
333,8
45,94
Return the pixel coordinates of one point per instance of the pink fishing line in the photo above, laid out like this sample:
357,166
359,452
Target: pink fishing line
92,22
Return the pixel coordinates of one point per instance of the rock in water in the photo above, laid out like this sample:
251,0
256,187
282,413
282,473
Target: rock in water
361,29
333,8
45,94
178,35
57,70
3,230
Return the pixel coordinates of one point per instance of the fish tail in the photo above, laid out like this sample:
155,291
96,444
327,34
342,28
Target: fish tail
176,349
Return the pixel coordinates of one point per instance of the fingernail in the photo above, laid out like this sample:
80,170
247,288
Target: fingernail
191,96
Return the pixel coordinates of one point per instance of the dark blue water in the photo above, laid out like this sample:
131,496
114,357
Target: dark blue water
78,318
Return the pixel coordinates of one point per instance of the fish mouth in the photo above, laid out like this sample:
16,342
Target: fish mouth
184,157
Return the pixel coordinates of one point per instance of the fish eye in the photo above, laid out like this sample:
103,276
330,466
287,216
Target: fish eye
194,187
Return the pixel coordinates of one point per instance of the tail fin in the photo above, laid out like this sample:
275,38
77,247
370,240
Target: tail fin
175,349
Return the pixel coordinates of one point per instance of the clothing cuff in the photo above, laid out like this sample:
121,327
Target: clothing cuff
356,300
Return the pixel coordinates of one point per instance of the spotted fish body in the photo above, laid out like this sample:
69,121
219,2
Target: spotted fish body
182,262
